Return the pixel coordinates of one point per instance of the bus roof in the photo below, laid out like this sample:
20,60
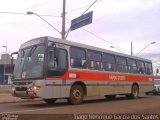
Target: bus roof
71,43
67,42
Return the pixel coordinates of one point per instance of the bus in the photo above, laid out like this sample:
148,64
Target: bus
51,68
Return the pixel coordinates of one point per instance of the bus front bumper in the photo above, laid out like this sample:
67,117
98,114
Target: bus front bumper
23,92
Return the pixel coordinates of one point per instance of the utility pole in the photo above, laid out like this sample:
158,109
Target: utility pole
63,20
131,49
5,59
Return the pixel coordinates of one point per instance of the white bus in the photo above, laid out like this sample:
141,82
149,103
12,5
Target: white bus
52,68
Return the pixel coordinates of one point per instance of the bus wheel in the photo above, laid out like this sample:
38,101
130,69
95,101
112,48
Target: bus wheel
76,95
134,92
110,97
50,101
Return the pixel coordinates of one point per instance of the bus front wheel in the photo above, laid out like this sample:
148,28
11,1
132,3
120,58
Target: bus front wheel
76,95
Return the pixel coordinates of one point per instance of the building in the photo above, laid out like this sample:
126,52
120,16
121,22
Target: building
6,68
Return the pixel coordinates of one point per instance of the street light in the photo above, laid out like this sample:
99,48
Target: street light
145,47
32,13
116,48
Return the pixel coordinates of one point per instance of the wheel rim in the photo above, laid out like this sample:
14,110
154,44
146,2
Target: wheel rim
77,94
135,91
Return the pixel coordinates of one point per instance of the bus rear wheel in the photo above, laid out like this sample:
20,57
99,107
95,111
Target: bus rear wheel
76,95
134,92
50,101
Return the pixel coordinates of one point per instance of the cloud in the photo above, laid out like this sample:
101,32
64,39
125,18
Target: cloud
150,55
117,21
141,26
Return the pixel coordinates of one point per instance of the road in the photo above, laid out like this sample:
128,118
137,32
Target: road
143,105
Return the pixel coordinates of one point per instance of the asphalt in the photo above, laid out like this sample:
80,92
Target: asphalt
8,98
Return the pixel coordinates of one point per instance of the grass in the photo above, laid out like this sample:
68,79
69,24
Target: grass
4,84
5,91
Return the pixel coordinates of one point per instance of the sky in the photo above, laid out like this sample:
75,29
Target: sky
115,23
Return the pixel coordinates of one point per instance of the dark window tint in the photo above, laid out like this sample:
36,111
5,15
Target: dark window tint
121,64
57,62
141,67
77,53
148,68
94,60
78,57
108,62
62,59
132,66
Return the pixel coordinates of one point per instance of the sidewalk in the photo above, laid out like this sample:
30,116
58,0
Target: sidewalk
8,98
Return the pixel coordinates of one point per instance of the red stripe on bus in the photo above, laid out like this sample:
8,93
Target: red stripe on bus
94,76
74,75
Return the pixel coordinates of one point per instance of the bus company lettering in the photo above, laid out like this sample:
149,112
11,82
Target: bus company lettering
117,77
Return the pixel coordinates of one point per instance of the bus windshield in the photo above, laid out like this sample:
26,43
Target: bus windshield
29,63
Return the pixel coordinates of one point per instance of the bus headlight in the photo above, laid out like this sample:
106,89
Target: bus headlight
37,87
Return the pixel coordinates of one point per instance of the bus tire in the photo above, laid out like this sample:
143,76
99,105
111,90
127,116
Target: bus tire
147,93
134,92
76,95
50,101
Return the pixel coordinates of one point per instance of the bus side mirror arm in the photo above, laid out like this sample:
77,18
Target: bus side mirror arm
14,53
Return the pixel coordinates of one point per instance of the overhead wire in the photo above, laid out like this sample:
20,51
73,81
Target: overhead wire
13,13
67,32
82,7
104,40
89,7
27,14
95,35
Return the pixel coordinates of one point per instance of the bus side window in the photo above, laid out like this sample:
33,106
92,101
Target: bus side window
77,63
77,57
132,65
148,67
108,62
97,65
57,64
141,67
84,63
141,71
51,59
62,59
94,60
122,64
90,64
